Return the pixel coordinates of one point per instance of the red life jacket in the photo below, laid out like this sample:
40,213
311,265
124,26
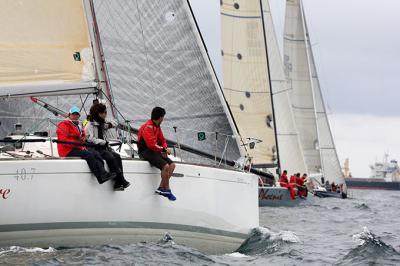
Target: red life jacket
150,136
68,131
293,179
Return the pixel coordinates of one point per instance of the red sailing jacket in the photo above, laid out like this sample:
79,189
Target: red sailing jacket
283,180
293,179
152,136
299,181
68,131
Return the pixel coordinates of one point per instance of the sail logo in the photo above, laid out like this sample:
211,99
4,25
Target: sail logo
4,193
264,195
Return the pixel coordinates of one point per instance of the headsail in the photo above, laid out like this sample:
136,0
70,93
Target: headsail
330,163
155,56
44,47
246,77
300,84
290,152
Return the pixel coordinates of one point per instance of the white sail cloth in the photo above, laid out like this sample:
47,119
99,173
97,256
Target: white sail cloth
44,42
246,77
300,85
290,153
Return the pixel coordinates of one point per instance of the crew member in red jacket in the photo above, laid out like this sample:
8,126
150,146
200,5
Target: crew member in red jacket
302,190
69,132
284,182
152,147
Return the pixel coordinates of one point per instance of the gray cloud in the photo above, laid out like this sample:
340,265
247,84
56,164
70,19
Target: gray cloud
356,47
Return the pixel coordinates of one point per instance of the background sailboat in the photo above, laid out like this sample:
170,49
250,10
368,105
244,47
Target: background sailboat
252,60
306,95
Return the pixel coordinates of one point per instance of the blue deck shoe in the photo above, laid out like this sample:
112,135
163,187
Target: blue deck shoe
171,196
163,191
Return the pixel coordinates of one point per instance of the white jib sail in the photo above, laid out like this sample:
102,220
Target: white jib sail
330,163
300,85
44,47
246,77
290,153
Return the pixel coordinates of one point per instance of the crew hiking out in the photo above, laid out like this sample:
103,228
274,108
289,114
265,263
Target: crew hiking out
96,133
152,147
71,143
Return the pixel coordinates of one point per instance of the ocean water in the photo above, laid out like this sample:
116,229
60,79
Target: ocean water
362,230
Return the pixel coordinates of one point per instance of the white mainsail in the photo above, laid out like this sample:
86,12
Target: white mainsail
290,152
246,77
300,85
330,163
44,47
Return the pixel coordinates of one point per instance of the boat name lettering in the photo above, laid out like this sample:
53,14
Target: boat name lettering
4,193
23,174
264,195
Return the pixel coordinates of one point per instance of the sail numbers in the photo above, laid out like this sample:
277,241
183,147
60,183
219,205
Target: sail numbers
25,175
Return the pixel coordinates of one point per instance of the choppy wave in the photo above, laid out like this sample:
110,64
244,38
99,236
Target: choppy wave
371,250
264,241
362,206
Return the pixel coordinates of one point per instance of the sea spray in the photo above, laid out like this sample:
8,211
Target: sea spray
370,250
263,241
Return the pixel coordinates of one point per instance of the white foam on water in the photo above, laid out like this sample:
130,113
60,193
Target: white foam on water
286,236
238,255
289,236
362,237
17,249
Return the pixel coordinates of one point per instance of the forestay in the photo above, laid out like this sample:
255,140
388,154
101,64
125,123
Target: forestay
300,84
155,57
290,153
330,163
246,77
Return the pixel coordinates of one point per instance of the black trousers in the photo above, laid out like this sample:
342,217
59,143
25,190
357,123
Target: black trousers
114,162
93,159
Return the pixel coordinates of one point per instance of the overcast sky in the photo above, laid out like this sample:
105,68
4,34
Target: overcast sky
356,44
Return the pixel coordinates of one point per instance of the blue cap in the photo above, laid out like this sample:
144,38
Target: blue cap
74,109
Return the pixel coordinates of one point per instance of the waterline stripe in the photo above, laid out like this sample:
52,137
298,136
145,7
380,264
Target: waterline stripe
122,225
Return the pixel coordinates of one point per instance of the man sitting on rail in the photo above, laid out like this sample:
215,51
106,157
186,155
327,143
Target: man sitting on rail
71,143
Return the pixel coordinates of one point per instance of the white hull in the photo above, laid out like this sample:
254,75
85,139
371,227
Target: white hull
59,203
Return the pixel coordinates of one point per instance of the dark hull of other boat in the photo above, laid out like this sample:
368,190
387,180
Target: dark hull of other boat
277,197
369,183
329,194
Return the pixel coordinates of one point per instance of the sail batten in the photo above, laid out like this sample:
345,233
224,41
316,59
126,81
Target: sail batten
246,78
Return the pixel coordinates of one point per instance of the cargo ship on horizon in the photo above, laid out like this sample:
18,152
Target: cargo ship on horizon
385,175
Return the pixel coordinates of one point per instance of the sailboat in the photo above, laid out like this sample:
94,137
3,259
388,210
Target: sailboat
307,102
256,91
135,55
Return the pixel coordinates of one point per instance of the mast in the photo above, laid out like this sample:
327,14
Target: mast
270,88
100,63
290,151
